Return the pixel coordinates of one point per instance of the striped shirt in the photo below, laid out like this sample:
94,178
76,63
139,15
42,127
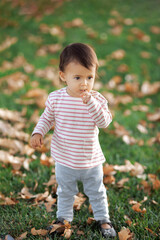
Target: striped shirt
75,141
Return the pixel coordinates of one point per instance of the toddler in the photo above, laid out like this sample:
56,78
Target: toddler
78,112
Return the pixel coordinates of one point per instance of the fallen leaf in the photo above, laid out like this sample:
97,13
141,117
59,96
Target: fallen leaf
125,234
154,116
90,220
108,169
42,232
129,140
149,89
77,22
16,162
51,181
45,160
145,55
13,116
58,228
8,130
109,180
148,229
121,182
118,54
8,42
136,208
22,236
155,181
79,200
116,30
79,232
155,29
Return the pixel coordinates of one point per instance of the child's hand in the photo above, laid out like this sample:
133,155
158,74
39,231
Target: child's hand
36,140
85,97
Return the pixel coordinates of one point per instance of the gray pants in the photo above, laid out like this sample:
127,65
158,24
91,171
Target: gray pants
92,180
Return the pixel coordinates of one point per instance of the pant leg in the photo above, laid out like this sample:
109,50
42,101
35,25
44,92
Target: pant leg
67,189
96,191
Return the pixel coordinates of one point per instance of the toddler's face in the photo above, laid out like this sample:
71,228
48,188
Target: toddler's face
78,78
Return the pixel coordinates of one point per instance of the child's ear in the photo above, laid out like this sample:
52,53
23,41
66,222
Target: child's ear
62,76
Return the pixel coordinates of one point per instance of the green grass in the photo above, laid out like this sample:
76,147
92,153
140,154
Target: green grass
23,216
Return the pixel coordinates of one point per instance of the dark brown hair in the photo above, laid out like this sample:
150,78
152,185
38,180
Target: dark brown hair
82,53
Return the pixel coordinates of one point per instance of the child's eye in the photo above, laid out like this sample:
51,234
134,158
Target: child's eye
90,78
77,78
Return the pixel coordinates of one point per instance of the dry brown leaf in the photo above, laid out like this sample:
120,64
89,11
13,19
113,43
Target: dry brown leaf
154,116
127,220
155,29
58,228
22,236
79,232
77,22
120,130
140,34
108,169
49,205
7,158
14,145
42,232
148,229
51,181
45,49
146,186
8,42
8,201
145,55
136,170
79,200
50,74
125,234
25,194
109,180
45,160
8,130
15,81
128,21
123,68
142,129
148,88
121,182
136,208
153,140
141,108
118,54
155,181
129,140
132,87
114,81
116,30
13,116
90,220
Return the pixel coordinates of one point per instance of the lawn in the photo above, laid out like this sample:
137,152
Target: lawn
126,38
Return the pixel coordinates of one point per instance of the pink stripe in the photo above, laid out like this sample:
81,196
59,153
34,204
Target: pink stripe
73,120
74,157
72,166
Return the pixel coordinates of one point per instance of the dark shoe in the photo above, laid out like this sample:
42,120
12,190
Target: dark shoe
107,233
60,230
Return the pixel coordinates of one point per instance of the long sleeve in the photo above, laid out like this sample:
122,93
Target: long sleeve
99,112
46,120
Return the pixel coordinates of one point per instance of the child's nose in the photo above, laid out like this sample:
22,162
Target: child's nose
84,82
